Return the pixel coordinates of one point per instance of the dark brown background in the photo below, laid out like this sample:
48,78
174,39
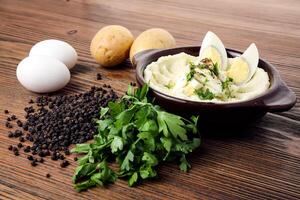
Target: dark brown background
260,163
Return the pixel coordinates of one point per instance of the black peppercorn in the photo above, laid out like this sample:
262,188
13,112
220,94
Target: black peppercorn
64,163
22,139
30,157
18,133
8,125
20,145
61,157
34,163
25,127
14,149
10,147
31,139
19,123
48,175
47,152
41,154
27,149
54,157
10,134
99,77
6,111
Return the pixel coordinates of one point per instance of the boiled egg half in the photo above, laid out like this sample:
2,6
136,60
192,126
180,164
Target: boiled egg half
213,48
242,68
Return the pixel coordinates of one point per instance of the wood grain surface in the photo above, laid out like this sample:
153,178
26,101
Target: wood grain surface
260,162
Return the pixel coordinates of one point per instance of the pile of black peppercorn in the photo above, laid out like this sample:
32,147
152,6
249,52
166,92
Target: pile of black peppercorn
54,123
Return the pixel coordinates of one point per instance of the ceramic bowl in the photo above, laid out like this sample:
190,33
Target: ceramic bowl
277,98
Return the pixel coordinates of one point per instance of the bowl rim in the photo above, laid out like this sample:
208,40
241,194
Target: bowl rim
141,61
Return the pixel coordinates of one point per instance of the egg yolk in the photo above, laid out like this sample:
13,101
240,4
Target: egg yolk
239,70
213,54
188,90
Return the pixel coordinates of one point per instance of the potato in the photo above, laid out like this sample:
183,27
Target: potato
154,38
111,45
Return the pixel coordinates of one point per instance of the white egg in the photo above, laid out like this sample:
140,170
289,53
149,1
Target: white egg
242,68
57,49
42,74
213,48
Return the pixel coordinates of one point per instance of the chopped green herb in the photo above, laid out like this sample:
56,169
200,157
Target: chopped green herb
192,72
226,87
170,85
204,94
208,64
215,69
227,83
139,136
190,75
205,81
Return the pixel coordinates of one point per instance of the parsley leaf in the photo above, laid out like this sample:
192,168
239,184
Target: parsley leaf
150,159
184,165
117,144
94,174
147,172
174,124
126,162
133,179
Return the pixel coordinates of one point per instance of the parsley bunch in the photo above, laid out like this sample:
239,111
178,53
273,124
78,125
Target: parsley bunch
139,136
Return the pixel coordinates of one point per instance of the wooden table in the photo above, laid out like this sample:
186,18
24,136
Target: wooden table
260,163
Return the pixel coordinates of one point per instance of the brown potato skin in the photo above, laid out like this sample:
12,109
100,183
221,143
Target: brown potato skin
154,38
111,45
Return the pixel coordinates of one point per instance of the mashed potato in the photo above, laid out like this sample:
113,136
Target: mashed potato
190,78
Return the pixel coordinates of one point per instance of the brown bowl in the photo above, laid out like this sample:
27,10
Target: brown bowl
277,98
